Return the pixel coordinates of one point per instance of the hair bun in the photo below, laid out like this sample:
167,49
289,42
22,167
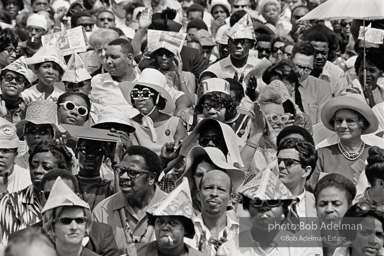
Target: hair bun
375,154
169,13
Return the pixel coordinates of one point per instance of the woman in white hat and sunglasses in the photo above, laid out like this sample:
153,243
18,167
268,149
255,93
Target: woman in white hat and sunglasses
155,124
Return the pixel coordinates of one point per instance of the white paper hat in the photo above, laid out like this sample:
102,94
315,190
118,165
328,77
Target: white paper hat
20,66
62,195
8,137
37,20
76,71
243,29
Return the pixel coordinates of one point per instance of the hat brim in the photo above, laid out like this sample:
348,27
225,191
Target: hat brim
349,102
40,59
130,128
127,87
152,218
20,126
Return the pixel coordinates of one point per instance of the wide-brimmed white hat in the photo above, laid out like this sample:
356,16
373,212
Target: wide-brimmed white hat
353,102
114,115
155,80
8,137
217,157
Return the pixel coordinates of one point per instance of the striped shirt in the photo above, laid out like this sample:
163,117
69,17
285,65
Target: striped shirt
17,211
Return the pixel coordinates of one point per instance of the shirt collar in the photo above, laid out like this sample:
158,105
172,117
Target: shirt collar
305,82
301,196
325,73
227,62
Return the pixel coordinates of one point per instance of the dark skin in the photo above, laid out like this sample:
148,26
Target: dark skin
239,51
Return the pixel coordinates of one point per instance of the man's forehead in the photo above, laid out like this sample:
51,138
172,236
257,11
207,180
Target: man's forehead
217,177
319,45
134,159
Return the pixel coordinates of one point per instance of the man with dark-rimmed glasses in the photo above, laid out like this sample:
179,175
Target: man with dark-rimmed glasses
125,211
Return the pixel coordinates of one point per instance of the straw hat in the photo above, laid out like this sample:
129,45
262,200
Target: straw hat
266,186
177,203
153,79
243,29
48,52
19,66
62,195
114,115
353,102
217,157
76,71
8,136
39,112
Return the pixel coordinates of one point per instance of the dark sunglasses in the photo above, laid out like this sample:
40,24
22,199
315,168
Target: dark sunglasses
288,162
344,24
69,106
204,141
239,6
68,221
92,151
276,49
217,106
104,19
243,42
74,85
89,25
19,79
163,52
270,203
145,94
44,130
259,49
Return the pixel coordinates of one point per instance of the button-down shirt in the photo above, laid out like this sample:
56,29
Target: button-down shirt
231,229
314,94
109,211
32,94
335,76
106,92
17,211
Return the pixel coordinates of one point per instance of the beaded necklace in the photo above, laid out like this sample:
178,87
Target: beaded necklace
351,156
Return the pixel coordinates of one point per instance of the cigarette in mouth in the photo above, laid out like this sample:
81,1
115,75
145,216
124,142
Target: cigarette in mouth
32,39
170,239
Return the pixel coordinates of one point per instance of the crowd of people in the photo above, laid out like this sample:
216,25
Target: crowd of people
188,127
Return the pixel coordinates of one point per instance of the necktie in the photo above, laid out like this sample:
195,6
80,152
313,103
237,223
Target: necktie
293,218
298,97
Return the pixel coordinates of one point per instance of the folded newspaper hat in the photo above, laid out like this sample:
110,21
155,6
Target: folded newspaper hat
48,52
177,203
172,41
62,195
205,38
243,29
76,71
19,66
266,186
8,137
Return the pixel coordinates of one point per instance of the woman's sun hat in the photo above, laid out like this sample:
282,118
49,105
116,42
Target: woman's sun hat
353,102
155,80
114,115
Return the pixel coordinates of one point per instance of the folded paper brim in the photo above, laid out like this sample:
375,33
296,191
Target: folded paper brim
76,76
90,133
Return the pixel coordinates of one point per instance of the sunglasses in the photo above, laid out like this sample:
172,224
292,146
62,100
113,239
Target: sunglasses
288,162
92,151
267,50
89,25
145,94
7,150
37,130
239,6
163,52
344,24
276,49
69,106
270,203
216,139
106,19
244,42
217,107
19,79
68,221
273,118
133,174
74,85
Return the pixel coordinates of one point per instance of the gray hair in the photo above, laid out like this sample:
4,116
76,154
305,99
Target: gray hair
102,37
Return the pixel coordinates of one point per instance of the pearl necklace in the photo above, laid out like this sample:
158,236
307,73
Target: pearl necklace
352,156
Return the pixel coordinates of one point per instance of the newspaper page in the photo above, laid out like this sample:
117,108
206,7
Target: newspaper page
69,41
172,41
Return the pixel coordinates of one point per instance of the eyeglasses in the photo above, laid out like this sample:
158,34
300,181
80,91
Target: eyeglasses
44,130
163,52
69,106
75,85
19,79
133,174
344,24
106,19
273,118
243,42
92,151
68,221
288,162
366,207
305,69
204,141
270,203
7,150
350,121
239,6
145,94
276,49
218,107
37,29
260,49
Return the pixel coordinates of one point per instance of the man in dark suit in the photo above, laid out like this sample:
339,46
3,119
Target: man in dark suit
101,238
